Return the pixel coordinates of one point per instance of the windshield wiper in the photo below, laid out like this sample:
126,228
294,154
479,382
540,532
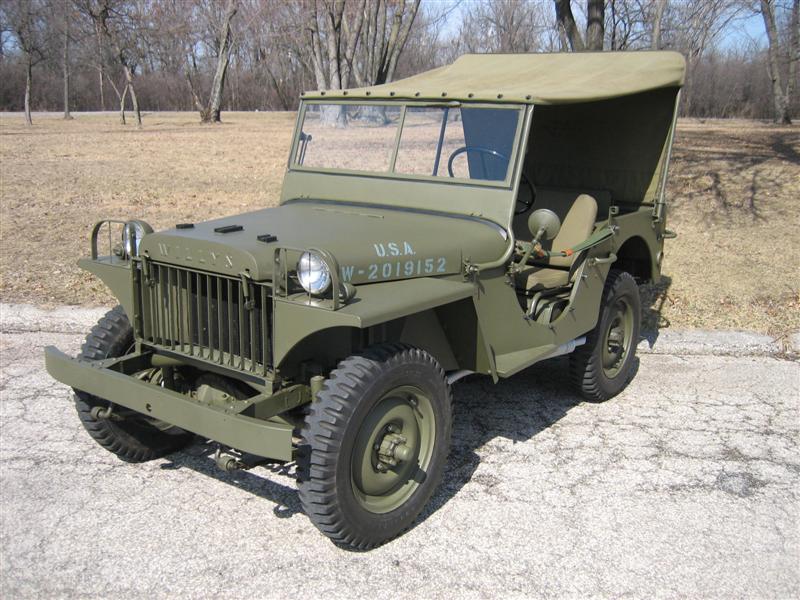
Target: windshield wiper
305,138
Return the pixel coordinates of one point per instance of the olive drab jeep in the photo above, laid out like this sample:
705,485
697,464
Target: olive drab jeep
477,218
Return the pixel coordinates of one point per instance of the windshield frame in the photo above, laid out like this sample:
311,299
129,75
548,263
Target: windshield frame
506,183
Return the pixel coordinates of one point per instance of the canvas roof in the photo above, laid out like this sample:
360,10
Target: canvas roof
533,78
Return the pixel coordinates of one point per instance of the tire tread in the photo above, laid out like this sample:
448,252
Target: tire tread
585,367
111,337
324,430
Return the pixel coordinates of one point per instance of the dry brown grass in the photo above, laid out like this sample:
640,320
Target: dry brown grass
734,191
734,188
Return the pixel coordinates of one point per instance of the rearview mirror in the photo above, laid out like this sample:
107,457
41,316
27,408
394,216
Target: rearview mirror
544,224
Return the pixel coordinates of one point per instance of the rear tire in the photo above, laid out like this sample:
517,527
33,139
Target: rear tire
375,443
602,367
132,440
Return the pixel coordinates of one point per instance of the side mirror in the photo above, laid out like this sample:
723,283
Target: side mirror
543,224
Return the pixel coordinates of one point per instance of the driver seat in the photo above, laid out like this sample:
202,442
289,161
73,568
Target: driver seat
556,271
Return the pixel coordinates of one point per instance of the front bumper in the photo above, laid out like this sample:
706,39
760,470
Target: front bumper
98,378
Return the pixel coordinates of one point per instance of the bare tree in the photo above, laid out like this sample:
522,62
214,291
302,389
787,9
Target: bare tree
332,35
781,96
595,25
222,46
26,18
570,33
333,38
65,58
381,44
567,28
630,23
116,23
100,63
658,15
509,27
275,48
271,59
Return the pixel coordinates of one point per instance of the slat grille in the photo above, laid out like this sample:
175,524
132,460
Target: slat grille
209,317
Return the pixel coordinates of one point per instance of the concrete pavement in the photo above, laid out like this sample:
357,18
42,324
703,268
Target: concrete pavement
685,485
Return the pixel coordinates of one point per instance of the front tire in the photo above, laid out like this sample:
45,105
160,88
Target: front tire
375,443
606,363
132,439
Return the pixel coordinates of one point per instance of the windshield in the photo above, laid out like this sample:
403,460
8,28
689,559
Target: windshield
473,143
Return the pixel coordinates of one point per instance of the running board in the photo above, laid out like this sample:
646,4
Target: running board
514,362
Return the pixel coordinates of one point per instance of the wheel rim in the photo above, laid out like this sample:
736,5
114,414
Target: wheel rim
617,338
393,449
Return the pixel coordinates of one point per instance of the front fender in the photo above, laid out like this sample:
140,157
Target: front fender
373,304
116,274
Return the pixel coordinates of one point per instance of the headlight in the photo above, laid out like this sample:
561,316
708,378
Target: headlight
313,273
132,234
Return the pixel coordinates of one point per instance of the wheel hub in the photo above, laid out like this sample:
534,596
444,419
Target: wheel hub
617,338
393,449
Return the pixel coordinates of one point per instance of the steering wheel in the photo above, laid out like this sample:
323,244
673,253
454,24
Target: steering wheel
523,205
478,149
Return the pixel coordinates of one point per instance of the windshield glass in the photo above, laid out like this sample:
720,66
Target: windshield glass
352,137
473,143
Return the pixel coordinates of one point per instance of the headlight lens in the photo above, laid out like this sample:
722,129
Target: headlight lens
132,234
313,273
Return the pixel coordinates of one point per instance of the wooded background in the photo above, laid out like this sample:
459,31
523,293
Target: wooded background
214,55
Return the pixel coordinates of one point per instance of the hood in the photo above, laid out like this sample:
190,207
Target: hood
370,244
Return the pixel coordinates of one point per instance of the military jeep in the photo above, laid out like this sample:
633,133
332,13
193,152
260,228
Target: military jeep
474,219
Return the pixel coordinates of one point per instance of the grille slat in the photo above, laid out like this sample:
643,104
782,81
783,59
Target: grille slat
253,337
230,324
239,325
181,301
162,309
265,324
220,331
189,305
171,307
208,317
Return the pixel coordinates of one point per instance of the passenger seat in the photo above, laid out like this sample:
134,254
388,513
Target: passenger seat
576,227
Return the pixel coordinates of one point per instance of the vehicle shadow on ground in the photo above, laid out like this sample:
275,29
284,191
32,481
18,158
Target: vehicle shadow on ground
654,298
199,457
516,409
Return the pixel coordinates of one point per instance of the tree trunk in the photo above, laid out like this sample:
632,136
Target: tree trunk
397,41
28,78
794,53
333,115
567,26
122,104
198,104
100,66
595,25
134,99
658,15
65,64
779,98
212,112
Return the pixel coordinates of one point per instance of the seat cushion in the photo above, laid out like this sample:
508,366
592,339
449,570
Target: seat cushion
534,279
575,228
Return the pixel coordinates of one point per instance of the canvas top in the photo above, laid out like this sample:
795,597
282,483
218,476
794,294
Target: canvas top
559,78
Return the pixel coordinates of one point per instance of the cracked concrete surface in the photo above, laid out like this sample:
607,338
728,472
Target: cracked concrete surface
686,485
